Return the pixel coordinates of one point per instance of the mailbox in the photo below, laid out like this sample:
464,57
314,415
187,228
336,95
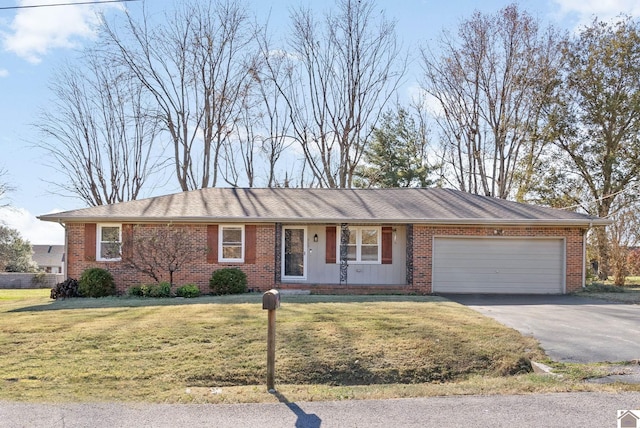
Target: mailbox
271,300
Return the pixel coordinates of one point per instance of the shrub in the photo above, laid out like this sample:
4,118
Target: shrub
162,289
136,290
96,282
603,288
65,289
188,290
228,281
39,278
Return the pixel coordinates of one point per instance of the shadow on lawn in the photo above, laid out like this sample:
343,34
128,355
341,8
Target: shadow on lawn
248,298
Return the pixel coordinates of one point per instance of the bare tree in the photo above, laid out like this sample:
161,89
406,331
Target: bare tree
98,132
5,187
195,68
339,75
160,250
274,117
624,235
597,119
238,157
492,84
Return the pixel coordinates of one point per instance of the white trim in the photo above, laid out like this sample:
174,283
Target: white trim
304,255
221,258
358,229
99,241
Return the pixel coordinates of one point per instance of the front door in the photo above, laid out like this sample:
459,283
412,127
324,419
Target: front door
294,257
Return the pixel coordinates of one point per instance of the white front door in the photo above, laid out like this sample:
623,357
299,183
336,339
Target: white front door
294,254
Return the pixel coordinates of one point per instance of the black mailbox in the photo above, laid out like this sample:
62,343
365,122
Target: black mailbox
271,300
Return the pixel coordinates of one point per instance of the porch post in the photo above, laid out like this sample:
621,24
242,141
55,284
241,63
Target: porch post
344,242
277,271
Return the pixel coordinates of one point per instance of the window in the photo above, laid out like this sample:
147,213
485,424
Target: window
364,245
109,242
231,243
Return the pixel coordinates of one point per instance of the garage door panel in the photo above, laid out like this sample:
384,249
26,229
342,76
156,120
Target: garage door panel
496,265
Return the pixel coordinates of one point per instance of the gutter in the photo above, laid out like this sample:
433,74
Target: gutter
312,220
66,253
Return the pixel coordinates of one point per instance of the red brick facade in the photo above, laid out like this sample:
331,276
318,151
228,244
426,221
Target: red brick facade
423,241
261,271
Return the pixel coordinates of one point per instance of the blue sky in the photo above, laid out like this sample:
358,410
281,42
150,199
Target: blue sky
33,42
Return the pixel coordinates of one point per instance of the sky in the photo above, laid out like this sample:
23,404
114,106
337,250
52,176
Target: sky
35,41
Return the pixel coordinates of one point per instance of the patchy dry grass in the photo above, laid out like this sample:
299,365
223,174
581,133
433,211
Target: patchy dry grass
213,349
606,291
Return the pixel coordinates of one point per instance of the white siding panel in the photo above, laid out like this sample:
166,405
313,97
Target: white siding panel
498,265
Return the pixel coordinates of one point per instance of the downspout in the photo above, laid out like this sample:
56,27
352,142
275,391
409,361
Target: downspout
65,254
584,255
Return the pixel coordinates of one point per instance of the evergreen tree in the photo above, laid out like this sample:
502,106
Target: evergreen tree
397,154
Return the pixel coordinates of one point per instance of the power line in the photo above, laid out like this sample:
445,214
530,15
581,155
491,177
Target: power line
33,6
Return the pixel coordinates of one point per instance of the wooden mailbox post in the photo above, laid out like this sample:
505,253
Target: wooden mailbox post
271,302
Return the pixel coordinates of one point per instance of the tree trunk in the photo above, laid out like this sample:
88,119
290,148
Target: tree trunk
602,243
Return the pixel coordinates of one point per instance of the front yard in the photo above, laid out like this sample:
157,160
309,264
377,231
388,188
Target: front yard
213,349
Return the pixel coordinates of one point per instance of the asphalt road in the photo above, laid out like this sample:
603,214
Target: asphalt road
569,328
547,410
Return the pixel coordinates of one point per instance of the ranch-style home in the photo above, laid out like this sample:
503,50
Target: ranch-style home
345,240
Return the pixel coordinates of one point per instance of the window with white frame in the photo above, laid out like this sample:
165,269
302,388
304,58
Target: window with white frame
364,244
109,242
231,243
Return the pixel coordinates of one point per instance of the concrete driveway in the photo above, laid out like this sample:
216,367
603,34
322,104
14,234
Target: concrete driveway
569,328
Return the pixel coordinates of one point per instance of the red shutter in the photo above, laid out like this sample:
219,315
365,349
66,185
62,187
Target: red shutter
90,242
387,245
212,243
127,241
331,244
250,244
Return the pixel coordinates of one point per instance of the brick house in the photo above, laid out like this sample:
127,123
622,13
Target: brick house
345,240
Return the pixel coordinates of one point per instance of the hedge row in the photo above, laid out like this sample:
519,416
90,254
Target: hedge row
98,282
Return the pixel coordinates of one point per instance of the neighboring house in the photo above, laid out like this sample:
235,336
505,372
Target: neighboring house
346,240
49,258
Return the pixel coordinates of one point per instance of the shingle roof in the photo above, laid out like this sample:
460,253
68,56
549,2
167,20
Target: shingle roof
48,255
432,205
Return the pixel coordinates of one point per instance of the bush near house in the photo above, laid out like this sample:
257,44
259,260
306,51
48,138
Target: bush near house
228,281
65,289
162,289
96,282
188,290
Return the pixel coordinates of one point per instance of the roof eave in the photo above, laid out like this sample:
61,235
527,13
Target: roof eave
587,222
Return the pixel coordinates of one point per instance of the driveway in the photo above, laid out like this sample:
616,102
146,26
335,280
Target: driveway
569,328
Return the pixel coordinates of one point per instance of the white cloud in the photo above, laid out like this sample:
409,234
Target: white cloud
4,72
32,229
584,11
35,31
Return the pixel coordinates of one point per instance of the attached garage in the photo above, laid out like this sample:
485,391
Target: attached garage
498,265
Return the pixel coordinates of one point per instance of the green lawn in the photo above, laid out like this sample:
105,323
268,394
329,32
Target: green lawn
213,349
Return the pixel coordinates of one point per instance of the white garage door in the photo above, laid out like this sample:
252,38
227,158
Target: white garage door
498,265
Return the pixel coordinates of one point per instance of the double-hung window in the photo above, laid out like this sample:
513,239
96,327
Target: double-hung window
231,243
109,242
364,244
